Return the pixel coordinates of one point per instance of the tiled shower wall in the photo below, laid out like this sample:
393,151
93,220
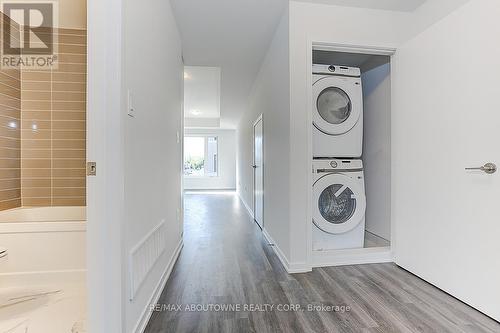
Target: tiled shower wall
53,128
10,134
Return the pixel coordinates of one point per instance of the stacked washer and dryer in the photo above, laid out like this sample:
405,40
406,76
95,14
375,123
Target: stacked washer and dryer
339,201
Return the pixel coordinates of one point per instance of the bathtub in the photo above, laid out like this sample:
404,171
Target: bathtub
42,277
44,239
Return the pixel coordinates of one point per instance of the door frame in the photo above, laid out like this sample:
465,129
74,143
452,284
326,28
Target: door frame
261,119
105,146
352,256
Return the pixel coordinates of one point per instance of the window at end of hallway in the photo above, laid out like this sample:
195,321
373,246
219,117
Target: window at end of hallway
200,156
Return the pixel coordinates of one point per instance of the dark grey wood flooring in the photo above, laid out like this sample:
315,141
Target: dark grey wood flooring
226,261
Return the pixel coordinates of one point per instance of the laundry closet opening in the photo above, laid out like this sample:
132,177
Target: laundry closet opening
351,113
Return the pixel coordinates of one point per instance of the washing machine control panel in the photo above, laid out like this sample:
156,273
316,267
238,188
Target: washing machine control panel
337,164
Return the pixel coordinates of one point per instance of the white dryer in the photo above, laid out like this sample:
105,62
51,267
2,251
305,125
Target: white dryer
337,111
339,204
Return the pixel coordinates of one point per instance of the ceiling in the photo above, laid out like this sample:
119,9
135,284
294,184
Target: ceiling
201,92
232,35
394,5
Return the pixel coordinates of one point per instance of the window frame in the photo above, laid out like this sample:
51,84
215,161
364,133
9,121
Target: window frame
205,157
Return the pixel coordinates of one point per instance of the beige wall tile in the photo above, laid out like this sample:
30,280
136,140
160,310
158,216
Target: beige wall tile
75,182
69,153
69,201
69,96
10,194
36,163
10,174
68,106
68,192
36,202
68,164
41,192
11,91
9,153
69,86
35,106
10,184
29,95
36,173
35,153
36,115
67,144
69,125
68,77
10,143
36,144
36,86
68,135
4,205
31,183
36,76
68,173
9,163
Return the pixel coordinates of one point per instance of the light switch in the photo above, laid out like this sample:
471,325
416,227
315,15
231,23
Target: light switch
130,104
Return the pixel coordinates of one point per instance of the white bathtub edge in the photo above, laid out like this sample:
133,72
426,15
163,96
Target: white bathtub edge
37,227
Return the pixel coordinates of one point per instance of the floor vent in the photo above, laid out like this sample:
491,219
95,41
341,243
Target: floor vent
144,256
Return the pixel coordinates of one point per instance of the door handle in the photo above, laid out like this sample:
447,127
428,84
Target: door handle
254,166
489,168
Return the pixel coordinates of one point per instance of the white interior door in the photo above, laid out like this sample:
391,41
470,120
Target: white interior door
258,170
446,117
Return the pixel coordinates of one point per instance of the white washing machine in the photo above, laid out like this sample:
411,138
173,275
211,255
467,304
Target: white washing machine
339,204
337,111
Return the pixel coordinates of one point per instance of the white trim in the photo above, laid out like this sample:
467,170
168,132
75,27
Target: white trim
249,210
141,324
373,255
291,268
351,48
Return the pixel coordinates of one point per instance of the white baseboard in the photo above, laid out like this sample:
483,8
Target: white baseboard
352,257
291,268
146,314
249,210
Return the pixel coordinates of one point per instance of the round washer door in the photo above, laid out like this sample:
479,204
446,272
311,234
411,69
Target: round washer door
339,203
336,105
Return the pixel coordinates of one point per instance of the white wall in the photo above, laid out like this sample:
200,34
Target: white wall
446,118
270,97
226,178
377,149
153,156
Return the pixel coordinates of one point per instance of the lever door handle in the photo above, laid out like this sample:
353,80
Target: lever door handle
254,166
489,168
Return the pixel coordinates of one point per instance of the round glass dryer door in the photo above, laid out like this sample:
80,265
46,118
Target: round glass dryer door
340,203
337,104
334,105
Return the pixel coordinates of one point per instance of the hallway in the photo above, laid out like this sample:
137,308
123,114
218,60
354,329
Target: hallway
226,261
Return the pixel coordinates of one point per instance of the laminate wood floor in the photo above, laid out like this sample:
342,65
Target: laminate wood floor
226,262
